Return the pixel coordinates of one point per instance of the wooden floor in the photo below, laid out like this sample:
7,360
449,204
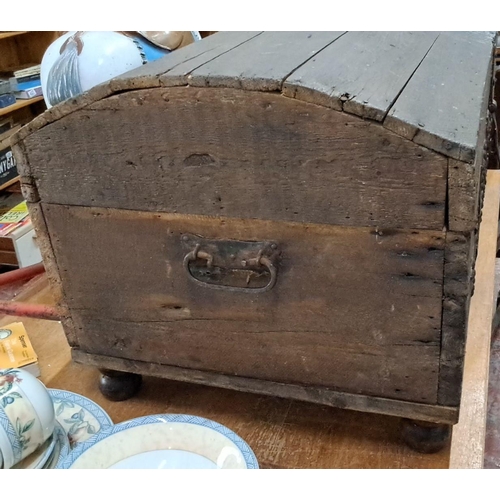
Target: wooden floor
283,434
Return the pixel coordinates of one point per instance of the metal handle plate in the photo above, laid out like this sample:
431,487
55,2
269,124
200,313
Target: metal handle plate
231,265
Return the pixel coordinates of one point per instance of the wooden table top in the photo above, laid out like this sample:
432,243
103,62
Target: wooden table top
283,434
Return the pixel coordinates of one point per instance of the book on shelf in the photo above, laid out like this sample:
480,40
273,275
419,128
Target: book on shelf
16,350
28,71
15,82
8,167
5,86
24,70
7,100
28,90
13,218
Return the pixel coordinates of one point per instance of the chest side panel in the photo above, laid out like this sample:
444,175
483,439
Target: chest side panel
352,308
233,153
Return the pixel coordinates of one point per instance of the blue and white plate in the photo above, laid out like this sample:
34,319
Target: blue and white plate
39,457
80,417
61,447
163,442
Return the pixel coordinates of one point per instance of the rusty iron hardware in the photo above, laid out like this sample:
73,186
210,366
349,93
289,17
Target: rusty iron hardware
231,265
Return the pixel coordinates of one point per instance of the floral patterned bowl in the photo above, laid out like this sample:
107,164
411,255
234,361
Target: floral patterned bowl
27,416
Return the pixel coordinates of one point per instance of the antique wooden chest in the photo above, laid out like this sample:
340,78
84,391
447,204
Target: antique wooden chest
287,213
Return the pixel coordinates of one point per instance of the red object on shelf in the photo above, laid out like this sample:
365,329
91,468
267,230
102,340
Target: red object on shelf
21,309
38,311
21,274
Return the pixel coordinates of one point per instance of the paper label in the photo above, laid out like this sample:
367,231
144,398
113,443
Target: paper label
16,350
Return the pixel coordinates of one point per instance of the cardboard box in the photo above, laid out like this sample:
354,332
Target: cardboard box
16,350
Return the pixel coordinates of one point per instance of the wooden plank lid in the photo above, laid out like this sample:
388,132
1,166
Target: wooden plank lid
430,87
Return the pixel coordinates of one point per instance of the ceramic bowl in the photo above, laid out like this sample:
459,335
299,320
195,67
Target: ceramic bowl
27,417
163,442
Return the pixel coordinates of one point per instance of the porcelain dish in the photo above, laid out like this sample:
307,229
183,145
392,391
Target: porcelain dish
26,415
163,441
77,419
39,457
78,415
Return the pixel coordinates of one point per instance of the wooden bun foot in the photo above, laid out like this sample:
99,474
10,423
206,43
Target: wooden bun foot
425,437
119,386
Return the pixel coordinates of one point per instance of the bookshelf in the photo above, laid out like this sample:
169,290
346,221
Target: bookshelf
24,47
19,48
19,104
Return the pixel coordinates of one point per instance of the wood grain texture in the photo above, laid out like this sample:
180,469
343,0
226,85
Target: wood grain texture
45,246
361,72
374,68
264,156
432,110
262,63
350,298
295,392
456,295
275,428
182,61
467,448
464,187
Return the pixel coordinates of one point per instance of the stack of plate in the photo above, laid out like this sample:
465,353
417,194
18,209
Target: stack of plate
78,419
162,442
85,437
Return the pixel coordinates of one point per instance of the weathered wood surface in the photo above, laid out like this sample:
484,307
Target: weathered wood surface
467,449
459,272
416,70
464,187
348,305
262,63
362,72
322,396
237,154
441,106
284,433
456,296
184,61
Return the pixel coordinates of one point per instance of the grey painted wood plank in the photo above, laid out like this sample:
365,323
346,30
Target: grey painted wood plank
187,58
361,72
262,63
441,107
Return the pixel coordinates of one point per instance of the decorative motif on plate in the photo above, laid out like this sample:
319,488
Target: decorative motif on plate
79,416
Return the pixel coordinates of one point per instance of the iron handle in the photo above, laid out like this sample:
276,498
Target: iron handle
259,261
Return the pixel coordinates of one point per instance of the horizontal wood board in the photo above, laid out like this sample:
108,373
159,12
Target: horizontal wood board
346,298
318,395
280,159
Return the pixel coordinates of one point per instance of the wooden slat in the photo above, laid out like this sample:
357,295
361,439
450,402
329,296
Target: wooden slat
144,150
361,72
182,61
432,110
468,440
459,256
263,62
319,395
